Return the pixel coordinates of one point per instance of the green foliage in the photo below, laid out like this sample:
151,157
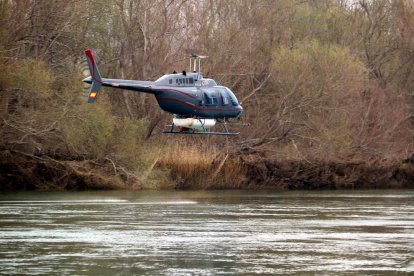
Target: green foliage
5,81
317,85
307,73
32,78
89,129
327,69
328,24
128,143
4,16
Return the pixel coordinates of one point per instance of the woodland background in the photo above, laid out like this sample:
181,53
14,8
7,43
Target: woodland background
327,87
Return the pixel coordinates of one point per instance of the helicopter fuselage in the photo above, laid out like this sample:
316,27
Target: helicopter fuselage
185,95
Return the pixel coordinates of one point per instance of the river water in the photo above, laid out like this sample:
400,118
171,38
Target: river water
207,233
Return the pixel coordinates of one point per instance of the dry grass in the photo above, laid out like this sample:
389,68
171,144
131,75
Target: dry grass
199,166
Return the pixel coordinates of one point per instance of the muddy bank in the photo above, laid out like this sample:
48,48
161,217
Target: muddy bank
324,175
19,171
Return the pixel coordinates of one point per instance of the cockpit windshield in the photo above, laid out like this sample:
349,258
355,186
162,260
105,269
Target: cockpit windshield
233,98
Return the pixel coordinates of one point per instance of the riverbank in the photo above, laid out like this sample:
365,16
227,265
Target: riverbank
325,106
21,171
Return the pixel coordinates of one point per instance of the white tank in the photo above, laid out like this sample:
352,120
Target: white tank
193,123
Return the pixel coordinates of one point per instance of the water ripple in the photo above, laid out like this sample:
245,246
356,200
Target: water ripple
206,233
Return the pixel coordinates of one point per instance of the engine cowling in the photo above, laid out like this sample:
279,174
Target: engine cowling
194,124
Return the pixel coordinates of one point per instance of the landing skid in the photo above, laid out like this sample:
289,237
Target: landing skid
201,132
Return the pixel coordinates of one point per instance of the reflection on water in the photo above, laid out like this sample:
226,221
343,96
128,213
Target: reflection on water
204,233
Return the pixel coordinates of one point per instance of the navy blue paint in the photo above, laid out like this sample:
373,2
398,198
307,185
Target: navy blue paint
184,100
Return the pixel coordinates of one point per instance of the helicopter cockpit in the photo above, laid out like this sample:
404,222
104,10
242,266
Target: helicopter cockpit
211,96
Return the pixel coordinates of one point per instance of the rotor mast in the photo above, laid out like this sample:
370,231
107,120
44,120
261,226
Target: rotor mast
195,61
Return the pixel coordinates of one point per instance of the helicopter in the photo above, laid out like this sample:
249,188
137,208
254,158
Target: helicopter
197,103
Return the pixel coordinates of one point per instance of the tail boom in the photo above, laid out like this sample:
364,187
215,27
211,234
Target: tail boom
97,81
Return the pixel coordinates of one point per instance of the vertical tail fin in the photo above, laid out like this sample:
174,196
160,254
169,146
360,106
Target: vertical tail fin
95,76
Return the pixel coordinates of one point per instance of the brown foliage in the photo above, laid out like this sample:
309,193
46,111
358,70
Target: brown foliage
319,80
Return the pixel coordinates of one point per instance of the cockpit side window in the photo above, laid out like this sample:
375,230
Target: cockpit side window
210,97
225,98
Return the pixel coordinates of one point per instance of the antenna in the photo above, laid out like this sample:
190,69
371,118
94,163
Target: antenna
194,59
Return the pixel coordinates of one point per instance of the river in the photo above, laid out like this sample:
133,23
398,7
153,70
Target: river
206,232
